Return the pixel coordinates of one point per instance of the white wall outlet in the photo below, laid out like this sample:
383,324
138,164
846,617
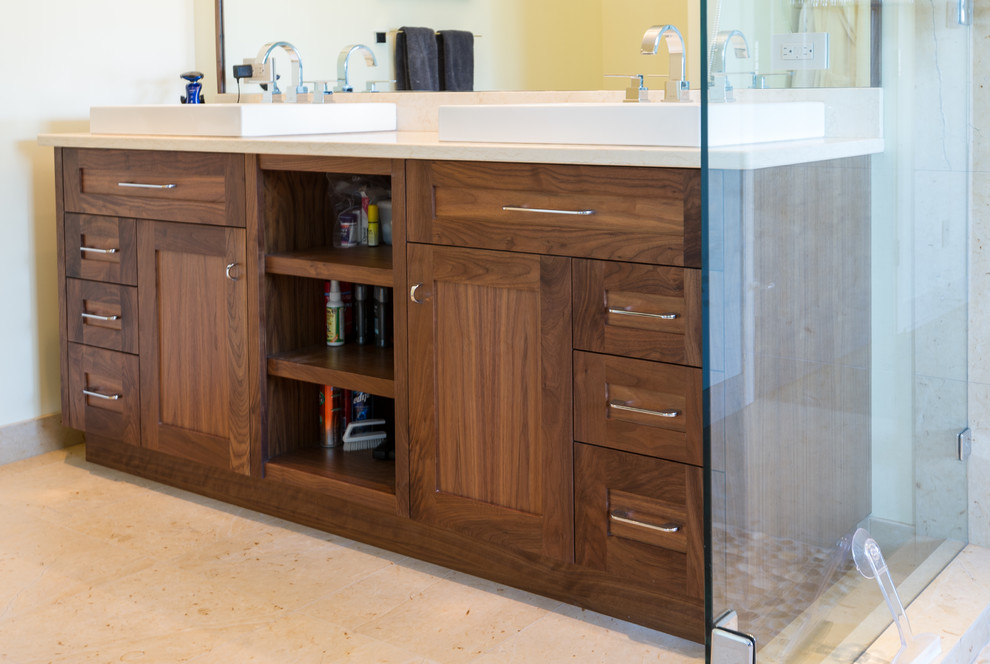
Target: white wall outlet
799,50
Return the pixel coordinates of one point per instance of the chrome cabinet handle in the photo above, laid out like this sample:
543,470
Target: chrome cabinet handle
412,294
669,527
523,208
141,185
641,314
108,397
99,317
618,405
94,250
230,267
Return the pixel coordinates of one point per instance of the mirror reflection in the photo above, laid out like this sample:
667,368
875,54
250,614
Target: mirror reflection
519,45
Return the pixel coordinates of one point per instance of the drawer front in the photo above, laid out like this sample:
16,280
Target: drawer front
103,315
103,392
645,311
639,406
646,215
640,519
101,249
194,187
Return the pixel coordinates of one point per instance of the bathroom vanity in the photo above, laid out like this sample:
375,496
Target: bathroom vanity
546,370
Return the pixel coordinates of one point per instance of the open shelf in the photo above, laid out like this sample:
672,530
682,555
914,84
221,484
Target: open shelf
363,265
334,471
352,367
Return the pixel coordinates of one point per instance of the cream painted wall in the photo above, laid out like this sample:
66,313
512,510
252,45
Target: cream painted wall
67,55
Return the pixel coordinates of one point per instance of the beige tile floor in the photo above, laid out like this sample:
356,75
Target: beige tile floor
98,566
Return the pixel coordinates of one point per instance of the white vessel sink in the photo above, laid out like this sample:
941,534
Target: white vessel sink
242,119
645,124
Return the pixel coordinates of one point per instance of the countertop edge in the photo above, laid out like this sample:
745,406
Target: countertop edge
426,145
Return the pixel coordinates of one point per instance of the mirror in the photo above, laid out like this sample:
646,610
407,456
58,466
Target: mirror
549,45
519,45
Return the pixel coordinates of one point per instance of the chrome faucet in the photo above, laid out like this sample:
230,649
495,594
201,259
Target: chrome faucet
264,71
343,64
676,89
719,87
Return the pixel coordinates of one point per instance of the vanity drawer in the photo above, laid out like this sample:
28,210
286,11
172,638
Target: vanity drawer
644,407
112,407
101,248
646,215
195,187
639,519
103,315
646,311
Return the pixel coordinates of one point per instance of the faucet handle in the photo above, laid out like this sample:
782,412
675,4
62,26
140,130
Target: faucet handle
637,90
322,92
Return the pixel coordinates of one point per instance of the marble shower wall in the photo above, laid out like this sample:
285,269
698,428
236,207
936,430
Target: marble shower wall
979,286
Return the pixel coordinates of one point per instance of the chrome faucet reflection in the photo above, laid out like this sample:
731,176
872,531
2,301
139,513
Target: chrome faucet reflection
676,89
343,64
719,87
263,71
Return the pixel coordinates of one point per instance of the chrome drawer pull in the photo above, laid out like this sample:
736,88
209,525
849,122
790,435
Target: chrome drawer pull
519,208
625,312
99,317
141,185
231,266
632,409
108,397
665,528
94,250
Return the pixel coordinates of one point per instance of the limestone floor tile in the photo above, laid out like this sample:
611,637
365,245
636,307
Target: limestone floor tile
137,608
42,562
453,621
375,595
304,638
291,569
570,635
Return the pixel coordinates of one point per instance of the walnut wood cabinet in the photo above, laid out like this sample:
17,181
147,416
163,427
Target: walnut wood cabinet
156,327
545,372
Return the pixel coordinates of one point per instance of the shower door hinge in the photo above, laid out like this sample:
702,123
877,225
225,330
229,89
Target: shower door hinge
729,645
964,444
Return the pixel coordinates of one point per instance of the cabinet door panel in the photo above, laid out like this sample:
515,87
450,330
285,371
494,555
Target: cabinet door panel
490,396
193,312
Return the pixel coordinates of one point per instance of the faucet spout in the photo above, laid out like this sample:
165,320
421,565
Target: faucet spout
265,54
343,64
718,84
676,89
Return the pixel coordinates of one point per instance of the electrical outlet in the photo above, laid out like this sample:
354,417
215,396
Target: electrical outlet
799,50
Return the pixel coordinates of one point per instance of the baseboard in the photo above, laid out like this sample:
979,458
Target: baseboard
21,440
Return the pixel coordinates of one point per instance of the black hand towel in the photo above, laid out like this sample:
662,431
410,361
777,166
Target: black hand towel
456,60
416,60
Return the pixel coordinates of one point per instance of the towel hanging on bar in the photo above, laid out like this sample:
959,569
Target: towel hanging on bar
416,59
456,49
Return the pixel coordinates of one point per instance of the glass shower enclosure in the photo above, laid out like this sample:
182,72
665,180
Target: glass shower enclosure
835,277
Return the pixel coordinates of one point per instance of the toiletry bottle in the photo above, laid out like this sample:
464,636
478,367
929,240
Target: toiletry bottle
335,315
362,309
383,316
374,229
332,416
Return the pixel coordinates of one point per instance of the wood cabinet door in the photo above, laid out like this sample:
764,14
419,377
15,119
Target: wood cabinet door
193,338
490,396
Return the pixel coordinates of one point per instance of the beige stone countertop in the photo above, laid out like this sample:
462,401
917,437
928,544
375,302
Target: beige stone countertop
426,145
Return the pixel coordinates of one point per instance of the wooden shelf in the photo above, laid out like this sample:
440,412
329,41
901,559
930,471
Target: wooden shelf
352,367
363,265
350,475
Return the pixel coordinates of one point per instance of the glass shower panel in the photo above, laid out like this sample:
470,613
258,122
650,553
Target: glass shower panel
836,291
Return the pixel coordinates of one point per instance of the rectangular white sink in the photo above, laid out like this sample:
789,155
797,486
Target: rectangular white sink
641,124
242,119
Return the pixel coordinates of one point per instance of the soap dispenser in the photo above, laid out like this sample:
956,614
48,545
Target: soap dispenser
193,87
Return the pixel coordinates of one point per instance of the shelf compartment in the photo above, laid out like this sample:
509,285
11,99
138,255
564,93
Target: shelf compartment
352,367
353,475
363,265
